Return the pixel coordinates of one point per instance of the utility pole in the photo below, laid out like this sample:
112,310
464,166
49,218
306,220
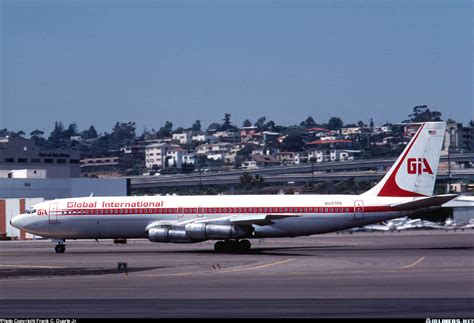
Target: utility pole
200,180
449,170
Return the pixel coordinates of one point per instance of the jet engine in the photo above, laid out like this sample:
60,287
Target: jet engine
196,232
167,234
204,231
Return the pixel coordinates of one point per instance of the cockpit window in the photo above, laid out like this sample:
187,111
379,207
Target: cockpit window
30,210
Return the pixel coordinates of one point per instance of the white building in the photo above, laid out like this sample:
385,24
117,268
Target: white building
174,157
331,155
155,154
228,136
220,147
205,138
23,173
184,138
351,131
189,158
249,164
216,155
301,157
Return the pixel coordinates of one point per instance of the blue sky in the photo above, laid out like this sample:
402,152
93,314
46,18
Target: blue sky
98,62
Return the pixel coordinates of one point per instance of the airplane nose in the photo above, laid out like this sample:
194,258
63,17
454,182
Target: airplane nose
17,221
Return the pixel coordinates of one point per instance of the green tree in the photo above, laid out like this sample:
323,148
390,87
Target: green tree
246,178
196,126
247,150
293,142
37,136
122,134
91,133
166,130
258,181
226,125
421,113
55,139
308,123
335,123
214,126
69,132
260,124
247,123
179,130
36,133
270,125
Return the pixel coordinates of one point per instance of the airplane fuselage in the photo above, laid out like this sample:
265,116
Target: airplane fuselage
129,217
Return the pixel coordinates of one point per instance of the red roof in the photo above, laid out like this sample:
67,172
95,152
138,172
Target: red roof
320,142
318,129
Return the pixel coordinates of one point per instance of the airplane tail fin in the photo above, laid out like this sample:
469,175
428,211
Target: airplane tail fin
414,172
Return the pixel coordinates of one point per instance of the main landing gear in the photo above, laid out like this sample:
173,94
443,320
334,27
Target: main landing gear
60,247
232,245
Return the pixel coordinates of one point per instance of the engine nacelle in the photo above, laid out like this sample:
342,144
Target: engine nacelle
205,231
195,232
166,234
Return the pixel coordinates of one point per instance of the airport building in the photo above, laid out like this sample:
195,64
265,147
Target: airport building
54,188
21,153
29,176
106,164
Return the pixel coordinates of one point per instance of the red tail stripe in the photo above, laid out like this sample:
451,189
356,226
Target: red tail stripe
391,187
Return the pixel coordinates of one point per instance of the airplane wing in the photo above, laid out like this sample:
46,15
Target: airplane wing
240,219
260,219
425,203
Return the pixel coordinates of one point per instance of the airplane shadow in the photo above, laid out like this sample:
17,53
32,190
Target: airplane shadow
305,251
41,272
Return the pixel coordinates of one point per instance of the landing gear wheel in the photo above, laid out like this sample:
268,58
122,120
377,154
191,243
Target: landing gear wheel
230,245
244,245
219,246
60,248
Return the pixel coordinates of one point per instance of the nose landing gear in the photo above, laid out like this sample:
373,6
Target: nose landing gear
232,245
60,247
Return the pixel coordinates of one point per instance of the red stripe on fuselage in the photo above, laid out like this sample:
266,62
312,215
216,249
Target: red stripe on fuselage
225,210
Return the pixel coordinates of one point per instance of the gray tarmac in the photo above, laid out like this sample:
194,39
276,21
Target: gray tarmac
414,274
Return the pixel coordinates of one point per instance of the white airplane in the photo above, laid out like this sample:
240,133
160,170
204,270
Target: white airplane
399,225
406,189
452,224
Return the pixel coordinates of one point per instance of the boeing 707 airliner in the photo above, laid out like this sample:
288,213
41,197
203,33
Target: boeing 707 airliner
232,220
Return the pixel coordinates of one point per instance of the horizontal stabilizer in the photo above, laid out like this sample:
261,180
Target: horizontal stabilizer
425,203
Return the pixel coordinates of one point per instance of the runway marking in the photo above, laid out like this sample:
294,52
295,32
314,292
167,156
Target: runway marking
32,266
257,267
413,264
177,274
221,271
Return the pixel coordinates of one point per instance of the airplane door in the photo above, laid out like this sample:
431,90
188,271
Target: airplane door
358,210
180,212
200,212
53,213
